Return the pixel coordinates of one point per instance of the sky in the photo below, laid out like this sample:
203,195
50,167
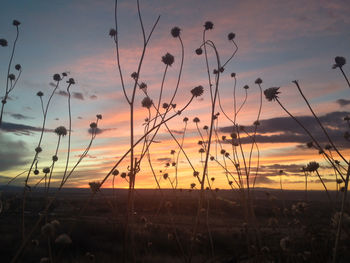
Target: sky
279,41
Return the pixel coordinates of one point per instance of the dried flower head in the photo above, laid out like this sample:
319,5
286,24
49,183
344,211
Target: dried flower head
339,62
46,170
168,59
258,81
246,87
233,75
233,135
61,131
112,32
71,81
231,36
195,173
18,67
38,149
165,176
212,158
175,31
54,158
16,22
95,186
205,127
36,171
146,102
48,229
134,75
93,125
197,91
271,93
199,51
196,120
40,94
165,105
56,77
312,166
63,239
123,175
12,77
201,150
3,42
172,152
193,185
208,25
143,86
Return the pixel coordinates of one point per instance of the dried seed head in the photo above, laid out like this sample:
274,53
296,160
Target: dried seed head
175,31
71,81
40,94
168,59
199,51
185,119
231,36
56,77
115,172
63,239
54,158
16,22
271,93
12,77
197,91
99,116
258,81
3,42
112,32
196,120
146,103
208,25
38,149
93,125
339,61
46,170
18,67
61,131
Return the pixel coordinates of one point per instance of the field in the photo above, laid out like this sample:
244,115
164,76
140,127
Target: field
163,225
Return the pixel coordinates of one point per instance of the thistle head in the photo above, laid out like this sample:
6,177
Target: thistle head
146,102
112,32
197,91
61,131
231,36
271,93
339,62
175,31
258,81
208,25
168,59
56,77
3,42
199,51
16,22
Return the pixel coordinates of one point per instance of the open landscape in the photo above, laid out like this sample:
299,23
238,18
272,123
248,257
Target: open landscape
162,131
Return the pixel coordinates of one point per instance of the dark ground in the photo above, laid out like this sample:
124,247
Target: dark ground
163,225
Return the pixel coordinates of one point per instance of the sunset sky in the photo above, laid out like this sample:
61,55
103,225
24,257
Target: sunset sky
279,41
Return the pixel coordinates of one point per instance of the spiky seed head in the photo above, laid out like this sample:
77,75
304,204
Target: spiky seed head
56,77
3,42
271,93
197,91
16,22
199,51
175,31
61,131
112,32
258,81
146,102
231,36
71,81
208,25
340,61
168,59
63,239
